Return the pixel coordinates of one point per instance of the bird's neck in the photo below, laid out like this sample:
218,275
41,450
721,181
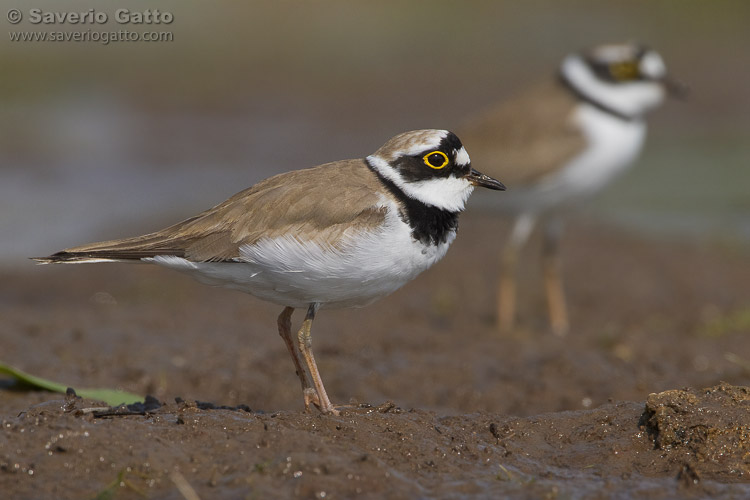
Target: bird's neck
430,224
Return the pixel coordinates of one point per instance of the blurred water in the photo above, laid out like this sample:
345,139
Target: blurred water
89,177
101,142
695,187
107,187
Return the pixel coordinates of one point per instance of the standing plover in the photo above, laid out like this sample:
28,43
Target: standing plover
341,234
560,141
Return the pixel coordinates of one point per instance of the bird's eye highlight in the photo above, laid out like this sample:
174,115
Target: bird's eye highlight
436,160
624,71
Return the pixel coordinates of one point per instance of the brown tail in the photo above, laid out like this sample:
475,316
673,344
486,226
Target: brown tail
128,249
66,257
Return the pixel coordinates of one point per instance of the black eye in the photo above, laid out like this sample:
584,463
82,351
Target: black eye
436,159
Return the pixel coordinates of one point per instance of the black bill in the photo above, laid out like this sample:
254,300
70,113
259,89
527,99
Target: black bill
676,88
479,179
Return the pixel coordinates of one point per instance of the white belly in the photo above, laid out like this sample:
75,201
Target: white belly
288,272
612,146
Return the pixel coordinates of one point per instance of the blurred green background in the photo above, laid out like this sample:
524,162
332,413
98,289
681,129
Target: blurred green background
101,141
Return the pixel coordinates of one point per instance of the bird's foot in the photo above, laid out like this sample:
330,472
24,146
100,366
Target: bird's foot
560,325
560,330
311,397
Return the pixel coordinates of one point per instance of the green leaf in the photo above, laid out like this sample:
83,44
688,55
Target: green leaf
112,397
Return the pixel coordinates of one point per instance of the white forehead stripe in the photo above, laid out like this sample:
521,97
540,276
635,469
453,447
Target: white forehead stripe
652,65
612,53
429,141
462,157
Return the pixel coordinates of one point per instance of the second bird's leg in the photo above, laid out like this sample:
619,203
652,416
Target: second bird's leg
285,330
553,283
506,295
305,347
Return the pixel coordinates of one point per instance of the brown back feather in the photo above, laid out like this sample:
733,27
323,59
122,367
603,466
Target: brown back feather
323,203
525,138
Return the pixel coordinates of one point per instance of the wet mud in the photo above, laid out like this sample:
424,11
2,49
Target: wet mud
645,398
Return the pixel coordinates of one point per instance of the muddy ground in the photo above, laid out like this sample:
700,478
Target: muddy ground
645,397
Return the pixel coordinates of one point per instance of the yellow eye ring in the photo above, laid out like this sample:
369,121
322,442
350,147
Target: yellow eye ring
436,160
624,71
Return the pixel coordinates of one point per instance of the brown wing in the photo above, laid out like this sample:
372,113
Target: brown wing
324,202
523,139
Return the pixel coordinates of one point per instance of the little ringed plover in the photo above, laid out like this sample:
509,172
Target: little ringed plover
561,141
341,234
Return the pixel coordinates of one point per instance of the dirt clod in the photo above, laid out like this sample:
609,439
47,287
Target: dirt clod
710,427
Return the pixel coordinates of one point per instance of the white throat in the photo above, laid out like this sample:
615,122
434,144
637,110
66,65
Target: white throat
446,193
632,99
